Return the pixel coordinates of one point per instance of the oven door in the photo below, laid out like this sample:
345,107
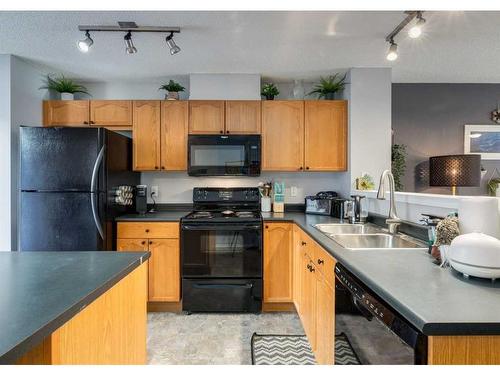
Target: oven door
224,155
222,250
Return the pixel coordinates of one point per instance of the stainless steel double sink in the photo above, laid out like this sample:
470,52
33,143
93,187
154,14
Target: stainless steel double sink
366,237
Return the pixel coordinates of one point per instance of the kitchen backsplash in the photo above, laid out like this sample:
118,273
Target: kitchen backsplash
177,187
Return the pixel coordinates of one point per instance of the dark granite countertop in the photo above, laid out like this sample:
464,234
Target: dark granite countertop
437,301
40,291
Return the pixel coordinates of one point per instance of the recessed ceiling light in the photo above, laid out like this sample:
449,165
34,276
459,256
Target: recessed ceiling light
129,45
174,48
392,54
84,44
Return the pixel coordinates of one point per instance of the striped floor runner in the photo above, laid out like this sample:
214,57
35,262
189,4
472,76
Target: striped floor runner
295,350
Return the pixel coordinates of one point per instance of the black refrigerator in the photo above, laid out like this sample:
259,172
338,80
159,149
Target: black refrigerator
68,180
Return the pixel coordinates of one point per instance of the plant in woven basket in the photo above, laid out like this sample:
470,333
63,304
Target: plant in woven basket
63,85
398,165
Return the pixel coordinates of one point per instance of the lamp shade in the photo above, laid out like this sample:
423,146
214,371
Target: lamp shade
455,170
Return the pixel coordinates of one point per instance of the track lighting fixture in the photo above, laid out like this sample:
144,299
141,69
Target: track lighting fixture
84,44
392,54
416,30
129,28
129,45
174,48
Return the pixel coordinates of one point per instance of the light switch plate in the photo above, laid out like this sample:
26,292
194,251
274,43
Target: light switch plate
293,191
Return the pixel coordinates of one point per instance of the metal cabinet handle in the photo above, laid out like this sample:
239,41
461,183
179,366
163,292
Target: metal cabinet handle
85,122
227,131
303,243
309,267
321,261
221,131
143,243
146,230
300,168
267,226
307,167
150,242
312,269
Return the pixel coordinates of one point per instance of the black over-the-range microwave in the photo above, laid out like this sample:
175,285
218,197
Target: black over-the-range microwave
224,155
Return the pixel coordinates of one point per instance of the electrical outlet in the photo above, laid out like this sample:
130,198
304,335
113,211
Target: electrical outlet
154,191
293,191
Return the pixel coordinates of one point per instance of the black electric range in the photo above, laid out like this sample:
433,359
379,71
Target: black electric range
221,251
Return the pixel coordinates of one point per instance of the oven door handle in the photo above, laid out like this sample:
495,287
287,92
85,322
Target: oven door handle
236,227
222,286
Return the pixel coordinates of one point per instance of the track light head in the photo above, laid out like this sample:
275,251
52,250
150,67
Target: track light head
416,30
84,44
392,54
129,45
174,48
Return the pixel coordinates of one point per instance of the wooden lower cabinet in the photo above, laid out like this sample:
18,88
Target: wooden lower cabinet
463,350
164,263
109,331
278,241
313,288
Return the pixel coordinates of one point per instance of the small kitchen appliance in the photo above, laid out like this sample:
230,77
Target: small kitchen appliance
323,203
141,199
221,251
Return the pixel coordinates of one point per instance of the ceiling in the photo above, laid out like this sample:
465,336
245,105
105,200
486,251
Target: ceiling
456,46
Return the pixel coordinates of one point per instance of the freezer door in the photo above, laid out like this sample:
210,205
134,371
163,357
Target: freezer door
59,159
66,221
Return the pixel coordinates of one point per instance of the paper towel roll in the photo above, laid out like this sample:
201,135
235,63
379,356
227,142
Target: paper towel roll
479,214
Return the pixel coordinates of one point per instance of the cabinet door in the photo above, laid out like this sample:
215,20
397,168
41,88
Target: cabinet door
206,116
65,112
325,322
243,117
282,135
111,113
146,135
164,270
325,135
298,249
174,129
131,244
308,300
278,238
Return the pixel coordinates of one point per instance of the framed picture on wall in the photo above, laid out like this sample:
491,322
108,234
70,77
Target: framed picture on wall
483,140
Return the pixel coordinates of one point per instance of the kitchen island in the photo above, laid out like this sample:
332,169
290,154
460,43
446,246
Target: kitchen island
73,307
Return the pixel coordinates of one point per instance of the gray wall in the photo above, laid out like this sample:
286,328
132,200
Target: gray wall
429,119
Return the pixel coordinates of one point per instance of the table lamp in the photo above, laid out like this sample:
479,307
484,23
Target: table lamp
455,170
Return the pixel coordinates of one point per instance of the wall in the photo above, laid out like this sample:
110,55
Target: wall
177,187
429,119
5,169
369,96
224,86
20,104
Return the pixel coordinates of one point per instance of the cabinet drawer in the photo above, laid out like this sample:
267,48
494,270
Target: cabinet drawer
148,230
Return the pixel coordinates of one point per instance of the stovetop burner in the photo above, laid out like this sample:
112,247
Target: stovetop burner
226,215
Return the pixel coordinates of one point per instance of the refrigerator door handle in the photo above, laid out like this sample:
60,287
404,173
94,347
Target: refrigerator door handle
93,192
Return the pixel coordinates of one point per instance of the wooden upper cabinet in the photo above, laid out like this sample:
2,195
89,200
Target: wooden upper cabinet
111,113
243,117
174,130
278,243
206,116
146,135
325,135
66,113
282,135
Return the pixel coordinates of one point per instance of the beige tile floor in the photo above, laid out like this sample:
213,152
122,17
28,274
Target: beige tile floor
209,339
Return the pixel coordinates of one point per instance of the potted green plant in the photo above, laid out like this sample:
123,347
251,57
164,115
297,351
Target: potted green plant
398,166
269,91
66,87
327,87
493,187
173,88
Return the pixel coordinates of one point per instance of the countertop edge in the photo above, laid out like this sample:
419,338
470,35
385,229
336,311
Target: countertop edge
37,337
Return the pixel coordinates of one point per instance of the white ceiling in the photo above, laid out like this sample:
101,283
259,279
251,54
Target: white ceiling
456,46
